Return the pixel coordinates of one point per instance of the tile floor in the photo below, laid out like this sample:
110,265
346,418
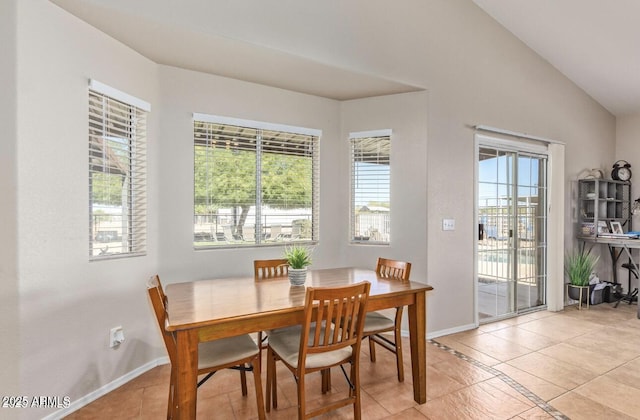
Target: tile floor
572,364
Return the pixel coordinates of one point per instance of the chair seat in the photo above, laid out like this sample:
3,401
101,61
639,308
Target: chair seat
286,343
319,343
212,355
226,350
375,321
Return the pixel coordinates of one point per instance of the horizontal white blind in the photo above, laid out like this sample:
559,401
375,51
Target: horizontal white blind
370,189
118,95
225,167
289,183
258,125
253,185
117,177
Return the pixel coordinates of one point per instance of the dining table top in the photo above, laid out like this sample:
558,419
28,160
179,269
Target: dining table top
201,303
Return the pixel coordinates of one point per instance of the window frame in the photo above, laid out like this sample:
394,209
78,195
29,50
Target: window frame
260,128
108,108
356,237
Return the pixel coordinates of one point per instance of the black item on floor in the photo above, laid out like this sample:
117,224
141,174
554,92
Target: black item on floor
600,295
613,293
632,295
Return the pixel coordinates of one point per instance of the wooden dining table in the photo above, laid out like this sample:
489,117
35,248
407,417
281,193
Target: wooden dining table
206,310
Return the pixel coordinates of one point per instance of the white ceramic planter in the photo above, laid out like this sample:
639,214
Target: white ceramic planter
297,276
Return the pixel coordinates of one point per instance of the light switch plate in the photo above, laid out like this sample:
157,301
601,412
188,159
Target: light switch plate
448,224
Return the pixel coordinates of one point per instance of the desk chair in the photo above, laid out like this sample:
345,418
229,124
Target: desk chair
319,344
375,323
232,352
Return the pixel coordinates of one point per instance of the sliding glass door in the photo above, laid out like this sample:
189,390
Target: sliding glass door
512,224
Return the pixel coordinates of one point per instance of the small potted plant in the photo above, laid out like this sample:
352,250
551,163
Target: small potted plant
579,265
299,258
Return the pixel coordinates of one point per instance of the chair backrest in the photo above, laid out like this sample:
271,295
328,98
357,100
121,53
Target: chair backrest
159,302
341,310
393,269
264,269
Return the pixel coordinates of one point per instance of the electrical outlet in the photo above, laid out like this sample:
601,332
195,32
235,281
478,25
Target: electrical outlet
116,337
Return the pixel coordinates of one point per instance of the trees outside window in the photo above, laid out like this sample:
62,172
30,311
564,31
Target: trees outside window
253,185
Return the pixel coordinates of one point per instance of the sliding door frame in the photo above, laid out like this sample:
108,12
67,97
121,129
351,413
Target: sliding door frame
555,205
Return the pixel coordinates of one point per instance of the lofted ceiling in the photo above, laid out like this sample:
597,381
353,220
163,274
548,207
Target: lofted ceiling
161,30
592,42
595,43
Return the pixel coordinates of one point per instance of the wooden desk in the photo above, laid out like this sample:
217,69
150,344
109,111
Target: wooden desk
211,309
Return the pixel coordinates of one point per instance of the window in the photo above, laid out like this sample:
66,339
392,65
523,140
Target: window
370,187
117,173
254,183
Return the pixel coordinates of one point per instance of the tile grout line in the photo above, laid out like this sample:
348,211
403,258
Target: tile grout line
539,402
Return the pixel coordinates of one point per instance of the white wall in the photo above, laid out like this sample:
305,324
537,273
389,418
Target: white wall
9,319
67,304
406,115
627,135
488,77
184,92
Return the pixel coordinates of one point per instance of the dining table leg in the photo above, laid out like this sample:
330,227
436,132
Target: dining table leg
186,386
417,339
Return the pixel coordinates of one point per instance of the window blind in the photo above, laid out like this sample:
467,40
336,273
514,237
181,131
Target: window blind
370,188
254,185
117,177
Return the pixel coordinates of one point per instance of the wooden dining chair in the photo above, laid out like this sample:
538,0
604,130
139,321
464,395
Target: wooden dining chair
264,269
376,323
240,353
319,344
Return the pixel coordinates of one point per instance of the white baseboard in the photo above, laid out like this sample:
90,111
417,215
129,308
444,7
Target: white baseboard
434,334
458,329
81,402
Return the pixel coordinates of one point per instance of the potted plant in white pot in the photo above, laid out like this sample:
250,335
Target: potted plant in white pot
299,258
579,265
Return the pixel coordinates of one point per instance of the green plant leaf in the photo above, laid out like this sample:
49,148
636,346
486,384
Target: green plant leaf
579,265
298,256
